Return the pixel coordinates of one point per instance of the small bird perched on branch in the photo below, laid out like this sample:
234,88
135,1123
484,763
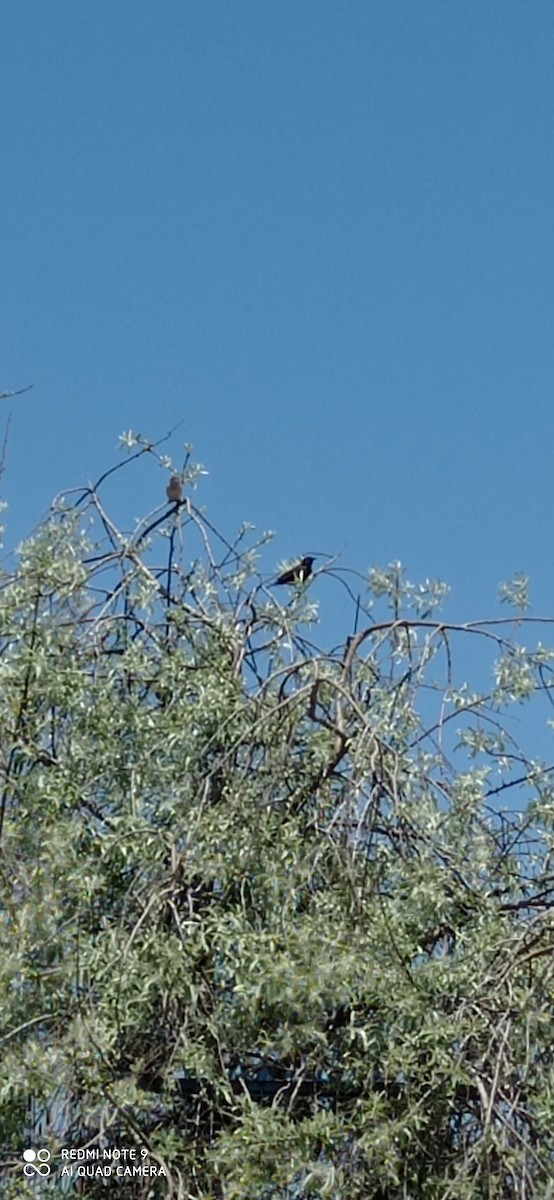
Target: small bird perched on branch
297,574
174,489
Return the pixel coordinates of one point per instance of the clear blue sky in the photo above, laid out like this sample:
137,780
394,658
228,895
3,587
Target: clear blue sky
319,232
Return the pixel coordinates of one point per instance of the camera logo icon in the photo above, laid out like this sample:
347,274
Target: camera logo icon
32,1167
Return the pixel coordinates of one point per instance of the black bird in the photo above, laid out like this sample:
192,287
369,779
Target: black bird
297,574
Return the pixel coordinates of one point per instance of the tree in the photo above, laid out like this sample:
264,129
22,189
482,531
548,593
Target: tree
265,922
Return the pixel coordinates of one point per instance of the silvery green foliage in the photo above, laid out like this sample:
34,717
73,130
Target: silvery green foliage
280,915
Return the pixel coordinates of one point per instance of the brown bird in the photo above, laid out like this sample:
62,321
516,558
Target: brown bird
174,489
297,574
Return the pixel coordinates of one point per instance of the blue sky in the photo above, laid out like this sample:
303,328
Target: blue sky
321,234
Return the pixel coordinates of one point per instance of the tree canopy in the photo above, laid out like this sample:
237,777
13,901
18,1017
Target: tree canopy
277,917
